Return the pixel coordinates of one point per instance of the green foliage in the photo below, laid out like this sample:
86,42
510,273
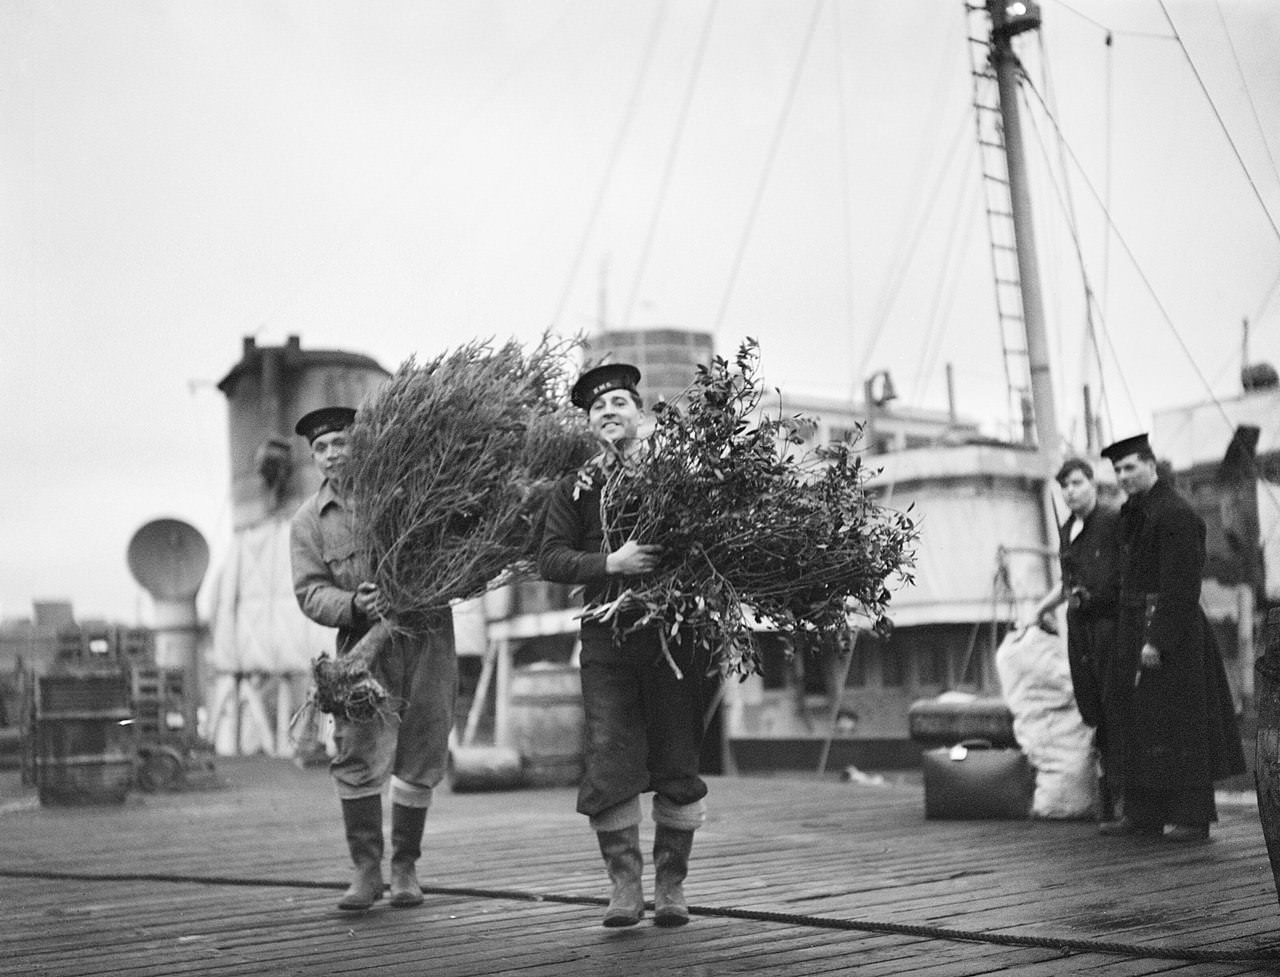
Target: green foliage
452,463
748,528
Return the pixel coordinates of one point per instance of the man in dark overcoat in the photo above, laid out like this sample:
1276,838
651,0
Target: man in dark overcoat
1180,724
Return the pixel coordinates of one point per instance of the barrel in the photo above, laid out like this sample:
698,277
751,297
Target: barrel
480,768
547,723
85,743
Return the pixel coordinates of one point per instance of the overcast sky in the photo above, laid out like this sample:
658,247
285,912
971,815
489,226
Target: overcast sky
397,177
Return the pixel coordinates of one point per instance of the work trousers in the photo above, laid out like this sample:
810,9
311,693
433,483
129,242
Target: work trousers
644,725
409,744
1090,645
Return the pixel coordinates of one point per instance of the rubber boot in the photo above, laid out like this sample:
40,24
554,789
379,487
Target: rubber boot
621,851
363,820
406,846
671,847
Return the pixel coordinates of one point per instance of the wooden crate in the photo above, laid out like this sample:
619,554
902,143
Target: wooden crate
85,744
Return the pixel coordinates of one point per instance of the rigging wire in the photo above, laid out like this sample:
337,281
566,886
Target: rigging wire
1104,400
846,192
1244,83
906,254
904,247
615,152
673,152
945,287
1274,288
1272,291
1065,146
1272,495
946,300
1221,122
1102,27
1073,223
1267,488
774,146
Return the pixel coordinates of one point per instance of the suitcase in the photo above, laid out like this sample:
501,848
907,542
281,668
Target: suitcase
975,780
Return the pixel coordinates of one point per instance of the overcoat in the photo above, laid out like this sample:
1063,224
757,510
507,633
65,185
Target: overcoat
1180,730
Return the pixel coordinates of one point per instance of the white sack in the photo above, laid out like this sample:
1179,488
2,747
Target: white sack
1035,680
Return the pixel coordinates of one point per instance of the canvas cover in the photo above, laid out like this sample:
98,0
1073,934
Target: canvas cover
1035,680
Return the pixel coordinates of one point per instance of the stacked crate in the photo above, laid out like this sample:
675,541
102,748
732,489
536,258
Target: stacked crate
156,693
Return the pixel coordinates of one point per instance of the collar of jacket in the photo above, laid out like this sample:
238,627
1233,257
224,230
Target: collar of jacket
328,496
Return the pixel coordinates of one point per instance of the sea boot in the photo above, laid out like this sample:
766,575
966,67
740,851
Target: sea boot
406,846
671,847
621,851
363,820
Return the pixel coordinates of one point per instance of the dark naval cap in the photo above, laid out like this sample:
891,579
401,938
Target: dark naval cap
1127,446
602,379
325,420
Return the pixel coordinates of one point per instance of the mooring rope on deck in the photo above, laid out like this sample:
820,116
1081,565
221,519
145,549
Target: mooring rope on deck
1064,945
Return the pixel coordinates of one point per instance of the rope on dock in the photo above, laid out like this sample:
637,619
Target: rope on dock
1062,945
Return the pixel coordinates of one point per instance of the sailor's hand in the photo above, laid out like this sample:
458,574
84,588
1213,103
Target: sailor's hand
370,601
1150,656
632,558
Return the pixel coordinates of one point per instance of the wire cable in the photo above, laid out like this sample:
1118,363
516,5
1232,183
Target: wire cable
1244,83
1102,27
1073,223
906,254
1221,122
615,152
672,153
1073,229
1272,291
1267,489
1124,244
966,204
1104,402
772,155
846,193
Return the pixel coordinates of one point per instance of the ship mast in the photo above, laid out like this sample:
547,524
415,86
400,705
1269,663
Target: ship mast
1007,19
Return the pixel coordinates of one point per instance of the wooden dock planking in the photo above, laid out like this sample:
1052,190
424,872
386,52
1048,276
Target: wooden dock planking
792,850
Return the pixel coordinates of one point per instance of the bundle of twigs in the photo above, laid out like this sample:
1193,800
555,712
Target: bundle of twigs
452,463
749,529
348,690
